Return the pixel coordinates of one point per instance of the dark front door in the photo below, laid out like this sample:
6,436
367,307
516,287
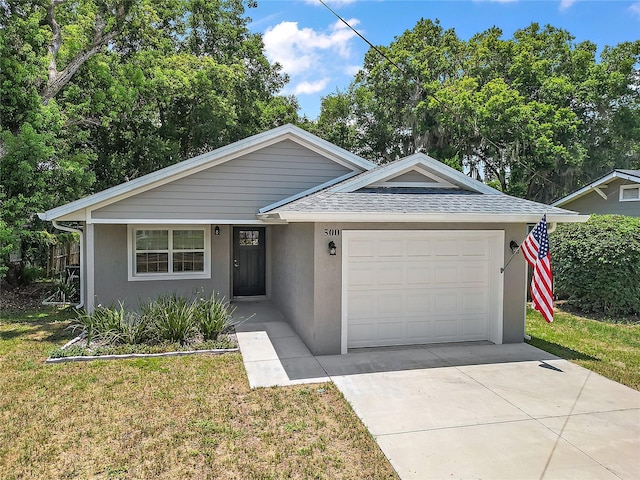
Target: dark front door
248,261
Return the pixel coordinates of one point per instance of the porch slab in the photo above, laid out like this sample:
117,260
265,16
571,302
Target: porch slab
272,352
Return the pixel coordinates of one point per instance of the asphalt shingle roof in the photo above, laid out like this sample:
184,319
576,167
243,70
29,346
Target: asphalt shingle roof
440,202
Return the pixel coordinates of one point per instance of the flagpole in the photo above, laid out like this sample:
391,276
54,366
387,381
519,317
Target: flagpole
512,257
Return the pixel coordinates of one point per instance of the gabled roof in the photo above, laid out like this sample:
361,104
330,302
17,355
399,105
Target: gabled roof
631,175
361,198
432,168
428,206
210,159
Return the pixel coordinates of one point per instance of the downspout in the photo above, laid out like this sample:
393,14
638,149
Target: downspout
79,232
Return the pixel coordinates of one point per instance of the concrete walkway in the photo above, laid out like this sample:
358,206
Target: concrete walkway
464,411
272,352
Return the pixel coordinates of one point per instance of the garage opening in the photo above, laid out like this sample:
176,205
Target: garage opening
407,287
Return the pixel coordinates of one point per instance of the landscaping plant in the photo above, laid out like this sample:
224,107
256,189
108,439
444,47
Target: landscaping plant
171,318
168,323
596,264
213,316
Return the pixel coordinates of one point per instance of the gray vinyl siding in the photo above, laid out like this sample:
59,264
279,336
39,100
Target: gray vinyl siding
111,280
593,203
411,176
234,190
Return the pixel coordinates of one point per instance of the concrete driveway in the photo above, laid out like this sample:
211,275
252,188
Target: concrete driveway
463,411
470,411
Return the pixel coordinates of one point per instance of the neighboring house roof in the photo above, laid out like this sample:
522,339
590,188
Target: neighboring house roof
365,197
210,159
631,175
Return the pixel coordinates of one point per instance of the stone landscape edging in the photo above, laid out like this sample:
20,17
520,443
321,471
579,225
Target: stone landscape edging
87,358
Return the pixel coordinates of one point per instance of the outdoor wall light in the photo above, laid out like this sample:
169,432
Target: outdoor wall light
332,248
513,245
216,231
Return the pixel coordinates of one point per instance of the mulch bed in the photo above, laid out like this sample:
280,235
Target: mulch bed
26,298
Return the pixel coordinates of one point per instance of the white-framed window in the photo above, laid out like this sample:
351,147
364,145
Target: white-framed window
630,193
169,253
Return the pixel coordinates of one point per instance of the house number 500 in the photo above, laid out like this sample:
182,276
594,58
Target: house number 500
331,232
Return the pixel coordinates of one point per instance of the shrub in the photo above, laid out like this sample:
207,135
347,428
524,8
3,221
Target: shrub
114,325
170,318
212,316
596,264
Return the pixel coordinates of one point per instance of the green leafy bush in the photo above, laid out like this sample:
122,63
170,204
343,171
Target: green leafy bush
596,264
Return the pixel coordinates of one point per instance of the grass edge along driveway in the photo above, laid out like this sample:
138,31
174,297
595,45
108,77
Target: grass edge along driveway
190,417
609,348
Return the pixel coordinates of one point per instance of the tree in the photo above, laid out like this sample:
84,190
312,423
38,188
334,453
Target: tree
97,92
534,115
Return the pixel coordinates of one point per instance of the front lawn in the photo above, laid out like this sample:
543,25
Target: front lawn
189,417
608,348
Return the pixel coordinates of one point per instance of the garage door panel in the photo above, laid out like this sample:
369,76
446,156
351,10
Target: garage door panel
360,305
476,248
390,274
391,331
419,248
363,248
446,329
446,301
474,273
362,275
446,248
420,331
391,248
390,305
419,303
475,300
474,327
419,273
418,287
445,273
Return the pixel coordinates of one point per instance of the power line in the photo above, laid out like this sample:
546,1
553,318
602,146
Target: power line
429,94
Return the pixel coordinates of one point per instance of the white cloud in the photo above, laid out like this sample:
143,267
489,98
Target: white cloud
352,69
312,58
308,88
566,4
298,49
635,8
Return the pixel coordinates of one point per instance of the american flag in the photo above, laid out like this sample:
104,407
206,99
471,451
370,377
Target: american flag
535,249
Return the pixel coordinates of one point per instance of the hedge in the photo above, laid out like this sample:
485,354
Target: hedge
596,265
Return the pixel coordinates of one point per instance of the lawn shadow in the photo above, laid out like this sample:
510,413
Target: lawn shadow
559,350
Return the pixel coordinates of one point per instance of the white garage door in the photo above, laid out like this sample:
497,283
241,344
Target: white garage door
413,287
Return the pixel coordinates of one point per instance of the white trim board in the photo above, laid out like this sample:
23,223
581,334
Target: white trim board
374,217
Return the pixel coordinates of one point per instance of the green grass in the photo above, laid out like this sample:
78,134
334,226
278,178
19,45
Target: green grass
188,417
609,348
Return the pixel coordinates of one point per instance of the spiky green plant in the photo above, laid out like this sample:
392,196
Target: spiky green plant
212,316
170,318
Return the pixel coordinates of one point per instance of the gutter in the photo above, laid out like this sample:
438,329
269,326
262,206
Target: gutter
81,233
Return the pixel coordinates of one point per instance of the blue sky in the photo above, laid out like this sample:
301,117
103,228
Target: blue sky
320,54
